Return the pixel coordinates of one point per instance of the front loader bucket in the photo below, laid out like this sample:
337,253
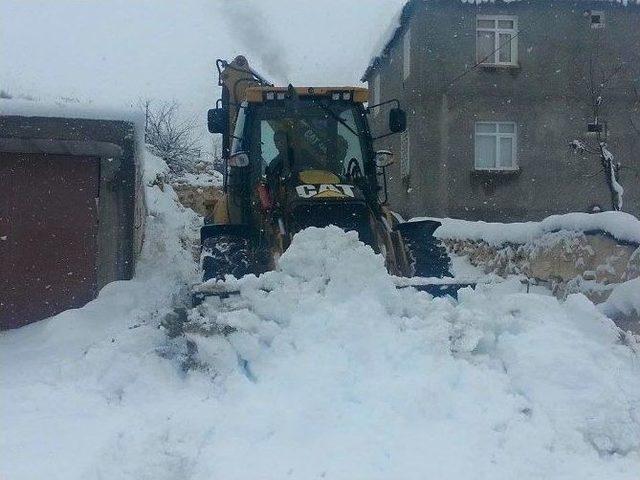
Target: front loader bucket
214,230
427,255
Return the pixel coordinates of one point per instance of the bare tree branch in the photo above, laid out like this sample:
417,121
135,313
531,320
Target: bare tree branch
171,138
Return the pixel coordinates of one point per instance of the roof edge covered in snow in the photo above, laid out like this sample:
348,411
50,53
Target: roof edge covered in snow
621,226
14,107
404,15
35,108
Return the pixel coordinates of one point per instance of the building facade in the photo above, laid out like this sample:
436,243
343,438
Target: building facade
495,94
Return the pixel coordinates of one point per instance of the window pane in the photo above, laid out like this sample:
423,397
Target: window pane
347,144
505,47
485,151
486,23
505,23
486,46
506,128
506,152
485,127
268,145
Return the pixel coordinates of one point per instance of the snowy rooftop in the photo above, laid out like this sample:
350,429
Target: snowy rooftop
62,109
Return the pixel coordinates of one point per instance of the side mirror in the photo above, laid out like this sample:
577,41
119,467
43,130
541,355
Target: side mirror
383,158
217,120
397,120
239,159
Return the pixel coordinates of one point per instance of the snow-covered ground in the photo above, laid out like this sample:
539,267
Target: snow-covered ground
326,371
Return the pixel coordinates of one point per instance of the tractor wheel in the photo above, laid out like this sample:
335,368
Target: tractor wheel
226,255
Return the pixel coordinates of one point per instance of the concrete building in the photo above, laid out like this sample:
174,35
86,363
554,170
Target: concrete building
495,92
71,215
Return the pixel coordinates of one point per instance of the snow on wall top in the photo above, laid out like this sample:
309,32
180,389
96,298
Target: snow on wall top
400,18
32,108
51,109
620,225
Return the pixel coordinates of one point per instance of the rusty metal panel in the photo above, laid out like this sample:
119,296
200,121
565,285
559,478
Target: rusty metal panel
48,232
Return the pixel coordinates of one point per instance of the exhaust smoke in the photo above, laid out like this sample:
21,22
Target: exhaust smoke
251,32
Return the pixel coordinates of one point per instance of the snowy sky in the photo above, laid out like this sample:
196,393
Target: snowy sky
114,52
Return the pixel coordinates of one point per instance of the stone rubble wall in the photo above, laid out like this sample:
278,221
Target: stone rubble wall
591,263
201,200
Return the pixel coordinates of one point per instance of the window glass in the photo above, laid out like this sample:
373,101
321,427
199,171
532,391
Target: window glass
237,146
486,45
486,23
505,23
506,128
485,151
313,136
486,128
348,142
506,152
505,48
268,144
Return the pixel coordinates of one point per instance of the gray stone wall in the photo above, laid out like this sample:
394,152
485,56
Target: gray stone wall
547,96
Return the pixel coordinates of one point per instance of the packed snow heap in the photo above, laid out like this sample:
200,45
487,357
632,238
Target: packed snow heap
320,369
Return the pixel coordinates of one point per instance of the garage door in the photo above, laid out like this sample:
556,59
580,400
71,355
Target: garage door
48,235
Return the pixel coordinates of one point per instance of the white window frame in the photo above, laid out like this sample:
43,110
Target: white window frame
405,154
497,31
497,136
406,54
376,93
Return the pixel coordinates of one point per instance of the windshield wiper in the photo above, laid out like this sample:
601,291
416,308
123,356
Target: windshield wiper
337,117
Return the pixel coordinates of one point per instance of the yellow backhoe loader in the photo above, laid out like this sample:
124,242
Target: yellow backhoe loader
303,156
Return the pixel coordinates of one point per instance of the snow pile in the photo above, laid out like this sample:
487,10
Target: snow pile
622,226
324,370
624,300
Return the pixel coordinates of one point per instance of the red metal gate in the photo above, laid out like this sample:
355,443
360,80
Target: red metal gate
48,232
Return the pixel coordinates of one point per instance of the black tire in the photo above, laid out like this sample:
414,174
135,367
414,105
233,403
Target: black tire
226,255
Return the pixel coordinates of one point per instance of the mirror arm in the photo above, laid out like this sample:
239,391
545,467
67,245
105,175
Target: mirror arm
393,100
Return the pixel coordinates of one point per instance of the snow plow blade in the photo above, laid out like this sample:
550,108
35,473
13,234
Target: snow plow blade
435,287
438,287
443,290
427,256
429,262
214,230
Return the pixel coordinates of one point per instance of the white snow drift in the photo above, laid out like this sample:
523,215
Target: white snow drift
329,372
